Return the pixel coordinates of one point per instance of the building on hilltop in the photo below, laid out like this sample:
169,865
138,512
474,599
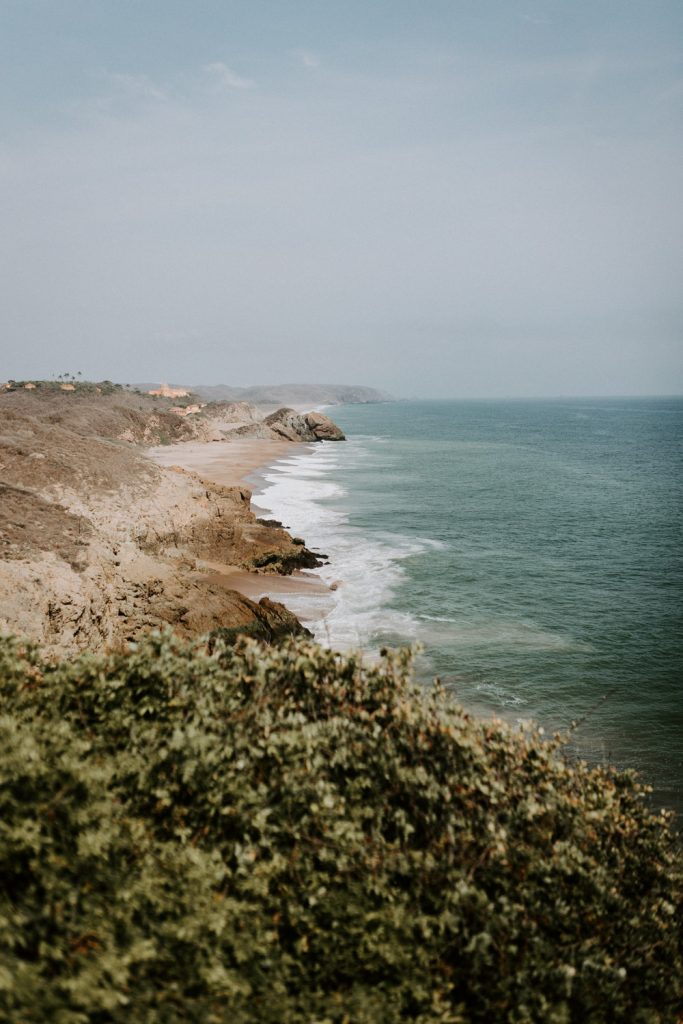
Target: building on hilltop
167,392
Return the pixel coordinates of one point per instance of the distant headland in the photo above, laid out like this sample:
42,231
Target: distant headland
280,394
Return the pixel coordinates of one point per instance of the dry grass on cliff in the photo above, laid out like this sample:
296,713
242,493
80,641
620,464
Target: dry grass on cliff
29,523
68,439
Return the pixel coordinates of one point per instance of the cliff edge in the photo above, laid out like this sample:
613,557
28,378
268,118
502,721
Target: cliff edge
98,545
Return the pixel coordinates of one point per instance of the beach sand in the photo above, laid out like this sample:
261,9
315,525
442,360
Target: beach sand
224,462
230,463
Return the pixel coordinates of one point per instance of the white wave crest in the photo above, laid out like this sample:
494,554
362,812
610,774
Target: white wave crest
364,569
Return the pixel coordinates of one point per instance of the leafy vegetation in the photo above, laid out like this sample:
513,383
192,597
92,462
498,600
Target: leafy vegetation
286,835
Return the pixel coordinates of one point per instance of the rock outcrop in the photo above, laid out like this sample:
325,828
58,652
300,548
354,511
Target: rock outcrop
289,425
307,426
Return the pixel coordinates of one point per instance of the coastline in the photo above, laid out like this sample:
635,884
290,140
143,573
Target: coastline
227,462
120,516
547,590
242,462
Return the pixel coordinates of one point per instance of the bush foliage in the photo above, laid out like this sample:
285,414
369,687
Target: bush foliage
287,835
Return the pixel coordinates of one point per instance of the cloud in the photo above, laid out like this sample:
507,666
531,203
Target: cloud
226,77
136,86
308,59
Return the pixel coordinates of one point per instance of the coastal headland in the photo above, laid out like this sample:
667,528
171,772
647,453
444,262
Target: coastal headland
123,512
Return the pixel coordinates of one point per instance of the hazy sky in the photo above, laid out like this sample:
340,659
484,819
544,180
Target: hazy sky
437,197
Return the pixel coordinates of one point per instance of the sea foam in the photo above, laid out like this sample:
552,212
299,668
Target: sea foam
365,570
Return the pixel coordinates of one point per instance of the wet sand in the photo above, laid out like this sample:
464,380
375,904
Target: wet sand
303,593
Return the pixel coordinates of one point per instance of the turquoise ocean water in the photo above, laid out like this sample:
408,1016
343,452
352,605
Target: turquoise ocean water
533,547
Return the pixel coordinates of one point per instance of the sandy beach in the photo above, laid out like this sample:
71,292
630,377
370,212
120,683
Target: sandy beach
229,463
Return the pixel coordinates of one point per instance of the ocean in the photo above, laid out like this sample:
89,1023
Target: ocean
533,548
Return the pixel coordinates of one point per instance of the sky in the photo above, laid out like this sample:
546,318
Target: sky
440,198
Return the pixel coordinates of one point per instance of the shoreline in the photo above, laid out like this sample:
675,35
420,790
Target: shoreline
243,462
228,463
123,514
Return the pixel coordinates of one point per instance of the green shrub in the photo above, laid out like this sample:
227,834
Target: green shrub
286,835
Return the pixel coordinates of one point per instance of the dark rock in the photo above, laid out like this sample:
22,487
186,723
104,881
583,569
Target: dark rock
285,562
279,620
271,622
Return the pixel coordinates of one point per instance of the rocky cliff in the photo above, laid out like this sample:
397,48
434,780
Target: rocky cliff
99,545
289,425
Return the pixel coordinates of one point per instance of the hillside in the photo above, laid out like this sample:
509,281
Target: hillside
271,395
98,545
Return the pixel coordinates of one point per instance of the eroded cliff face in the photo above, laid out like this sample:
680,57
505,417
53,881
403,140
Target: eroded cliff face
289,425
98,545
307,426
